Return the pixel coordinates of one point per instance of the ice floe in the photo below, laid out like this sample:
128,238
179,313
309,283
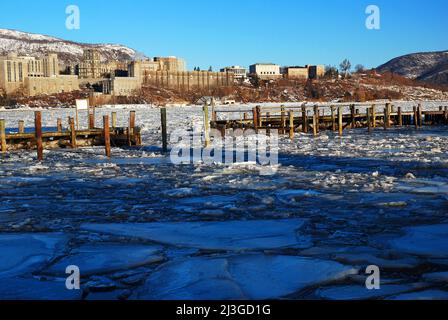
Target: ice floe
253,276
226,235
106,258
431,241
23,253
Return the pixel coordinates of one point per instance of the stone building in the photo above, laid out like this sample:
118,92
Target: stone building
297,72
316,72
171,64
121,86
34,76
265,71
91,66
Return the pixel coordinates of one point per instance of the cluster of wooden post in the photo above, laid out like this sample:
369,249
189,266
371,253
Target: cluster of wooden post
38,133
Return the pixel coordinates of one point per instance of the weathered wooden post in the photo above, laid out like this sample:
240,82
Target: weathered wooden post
21,126
420,115
38,135
316,120
387,114
106,134
268,125
333,118
91,120
164,130
374,115
340,127
385,117
291,124
255,119
369,120
282,120
114,120
315,125
206,126
352,115
72,133
59,124
3,135
260,120
304,120
415,117
400,117
131,127
445,114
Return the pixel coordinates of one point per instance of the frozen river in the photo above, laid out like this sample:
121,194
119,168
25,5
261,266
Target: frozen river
139,227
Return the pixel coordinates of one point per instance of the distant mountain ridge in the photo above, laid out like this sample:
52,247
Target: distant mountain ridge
31,44
429,67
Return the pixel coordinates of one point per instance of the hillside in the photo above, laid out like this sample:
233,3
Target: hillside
429,67
31,44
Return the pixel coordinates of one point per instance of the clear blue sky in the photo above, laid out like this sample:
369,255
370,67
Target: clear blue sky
228,32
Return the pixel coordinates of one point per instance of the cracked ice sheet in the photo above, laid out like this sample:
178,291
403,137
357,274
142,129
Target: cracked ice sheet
252,276
106,258
228,235
23,253
431,240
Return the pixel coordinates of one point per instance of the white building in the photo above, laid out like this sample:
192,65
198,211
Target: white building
265,71
239,72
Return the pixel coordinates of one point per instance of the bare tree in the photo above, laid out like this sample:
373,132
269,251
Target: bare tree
359,68
345,67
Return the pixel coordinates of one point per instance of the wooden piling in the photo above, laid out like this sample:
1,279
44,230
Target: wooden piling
333,119
304,120
206,126
415,117
352,115
369,120
385,122
315,125
21,126
59,124
3,135
260,120
131,127
373,116
340,127
114,120
38,135
400,117
387,114
255,118
106,134
420,115
72,133
291,125
268,126
91,120
283,120
164,130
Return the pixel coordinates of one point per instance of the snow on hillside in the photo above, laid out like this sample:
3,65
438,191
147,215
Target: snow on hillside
24,43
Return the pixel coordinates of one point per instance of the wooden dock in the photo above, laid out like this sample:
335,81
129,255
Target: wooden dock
69,137
317,118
